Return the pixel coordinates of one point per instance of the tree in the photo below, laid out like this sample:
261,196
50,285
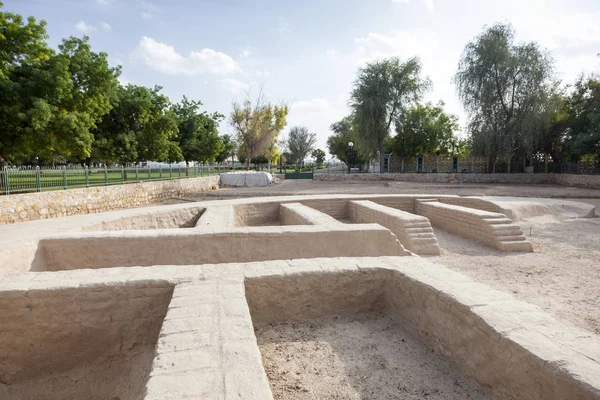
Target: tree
228,150
140,127
584,117
22,43
198,132
299,144
344,132
424,129
505,88
382,90
257,126
319,156
50,105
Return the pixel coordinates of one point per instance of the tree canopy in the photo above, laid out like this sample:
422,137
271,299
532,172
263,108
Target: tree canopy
257,126
299,144
67,104
344,132
506,89
425,129
381,92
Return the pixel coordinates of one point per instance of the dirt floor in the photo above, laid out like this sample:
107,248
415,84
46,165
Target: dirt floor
563,274
363,357
295,187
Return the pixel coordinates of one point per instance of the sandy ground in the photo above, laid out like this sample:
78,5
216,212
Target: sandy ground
295,187
363,357
562,275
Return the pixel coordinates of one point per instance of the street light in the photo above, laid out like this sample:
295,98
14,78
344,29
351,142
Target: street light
351,156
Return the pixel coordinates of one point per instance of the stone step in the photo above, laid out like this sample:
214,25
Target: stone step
520,238
517,246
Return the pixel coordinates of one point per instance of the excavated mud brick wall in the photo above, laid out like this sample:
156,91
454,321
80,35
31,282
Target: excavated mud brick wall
586,181
299,214
413,231
62,203
492,229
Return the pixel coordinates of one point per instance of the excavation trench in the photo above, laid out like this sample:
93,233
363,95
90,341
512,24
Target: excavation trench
380,334
94,342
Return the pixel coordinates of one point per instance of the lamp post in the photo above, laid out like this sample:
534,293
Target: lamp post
351,156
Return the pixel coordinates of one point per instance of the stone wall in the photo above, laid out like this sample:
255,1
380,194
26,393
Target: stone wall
586,181
61,203
444,178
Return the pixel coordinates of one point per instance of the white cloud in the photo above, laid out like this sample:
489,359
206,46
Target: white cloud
317,114
234,85
166,59
83,27
123,81
428,3
146,14
284,26
263,73
332,53
106,26
245,53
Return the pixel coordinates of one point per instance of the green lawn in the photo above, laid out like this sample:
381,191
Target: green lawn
25,180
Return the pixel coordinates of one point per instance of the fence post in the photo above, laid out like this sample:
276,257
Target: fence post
137,177
87,176
170,172
179,170
64,177
160,171
105,175
5,180
38,183
149,174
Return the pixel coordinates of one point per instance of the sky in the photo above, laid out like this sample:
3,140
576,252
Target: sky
307,53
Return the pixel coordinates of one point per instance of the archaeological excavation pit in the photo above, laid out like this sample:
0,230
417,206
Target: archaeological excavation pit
93,342
380,334
182,218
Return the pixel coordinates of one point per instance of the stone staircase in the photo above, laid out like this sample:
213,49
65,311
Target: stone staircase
490,228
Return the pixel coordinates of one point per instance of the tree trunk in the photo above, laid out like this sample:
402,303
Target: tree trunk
402,164
381,159
546,162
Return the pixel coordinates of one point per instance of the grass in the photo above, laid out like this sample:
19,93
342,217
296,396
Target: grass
25,180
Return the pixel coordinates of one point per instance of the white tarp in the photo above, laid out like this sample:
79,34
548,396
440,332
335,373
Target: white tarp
246,178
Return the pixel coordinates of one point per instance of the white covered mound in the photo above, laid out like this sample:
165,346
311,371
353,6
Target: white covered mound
246,178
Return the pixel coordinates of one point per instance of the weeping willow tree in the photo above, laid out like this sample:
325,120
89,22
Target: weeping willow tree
505,88
257,126
381,92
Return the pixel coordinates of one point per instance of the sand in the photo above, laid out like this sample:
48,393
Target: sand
362,357
562,275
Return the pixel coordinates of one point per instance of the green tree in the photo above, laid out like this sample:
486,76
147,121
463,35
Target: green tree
382,90
583,108
319,156
506,89
299,144
22,43
198,132
344,132
49,106
228,150
257,126
141,127
424,129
